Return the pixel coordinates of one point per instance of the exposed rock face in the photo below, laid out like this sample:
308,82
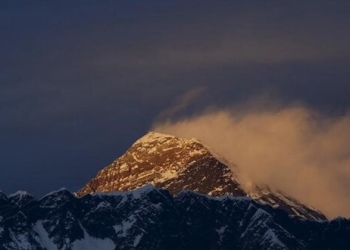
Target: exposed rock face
168,162
152,219
178,164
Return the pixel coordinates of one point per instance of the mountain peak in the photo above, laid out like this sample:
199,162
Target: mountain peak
20,194
166,161
176,164
153,136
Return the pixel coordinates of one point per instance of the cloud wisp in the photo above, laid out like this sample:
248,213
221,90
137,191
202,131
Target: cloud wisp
181,103
294,149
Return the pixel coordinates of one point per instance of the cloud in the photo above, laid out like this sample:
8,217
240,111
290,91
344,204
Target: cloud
294,148
181,103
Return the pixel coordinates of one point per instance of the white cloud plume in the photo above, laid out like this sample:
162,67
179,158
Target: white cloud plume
293,148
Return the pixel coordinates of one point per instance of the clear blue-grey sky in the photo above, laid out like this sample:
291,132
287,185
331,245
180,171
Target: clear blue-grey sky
81,80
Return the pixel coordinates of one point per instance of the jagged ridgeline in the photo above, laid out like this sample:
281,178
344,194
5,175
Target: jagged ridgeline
177,164
150,219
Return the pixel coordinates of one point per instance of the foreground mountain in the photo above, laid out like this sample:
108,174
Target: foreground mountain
151,218
178,164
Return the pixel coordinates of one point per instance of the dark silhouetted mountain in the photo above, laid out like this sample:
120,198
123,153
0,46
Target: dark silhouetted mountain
152,218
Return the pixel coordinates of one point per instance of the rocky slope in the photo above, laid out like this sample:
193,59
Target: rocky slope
151,218
178,164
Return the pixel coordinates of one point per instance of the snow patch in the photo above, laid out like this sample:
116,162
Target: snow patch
136,193
125,226
196,152
90,243
137,239
217,189
153,136
19,193
169,174
20,241
271,236
145,189
221,230
101,206
44,238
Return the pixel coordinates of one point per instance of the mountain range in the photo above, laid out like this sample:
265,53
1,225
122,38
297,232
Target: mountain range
167,192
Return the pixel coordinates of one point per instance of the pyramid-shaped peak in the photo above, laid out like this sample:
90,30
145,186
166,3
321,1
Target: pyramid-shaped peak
165,161
174,163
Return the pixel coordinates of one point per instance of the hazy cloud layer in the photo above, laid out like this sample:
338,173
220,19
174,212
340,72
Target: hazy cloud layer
292,148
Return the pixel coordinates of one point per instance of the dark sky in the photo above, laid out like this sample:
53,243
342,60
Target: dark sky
80,81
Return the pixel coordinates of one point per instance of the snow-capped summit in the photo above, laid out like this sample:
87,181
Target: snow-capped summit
20,198
168,162
177,164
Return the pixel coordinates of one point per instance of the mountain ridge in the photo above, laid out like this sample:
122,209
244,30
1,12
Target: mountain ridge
152,218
